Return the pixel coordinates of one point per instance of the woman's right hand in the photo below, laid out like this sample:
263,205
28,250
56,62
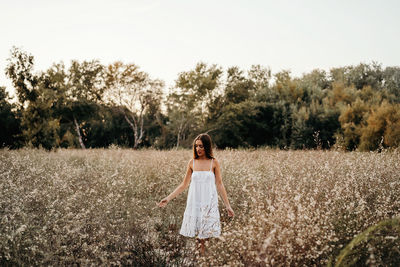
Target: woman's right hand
163,203
231,213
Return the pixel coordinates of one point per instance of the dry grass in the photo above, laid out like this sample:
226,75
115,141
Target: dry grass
98,207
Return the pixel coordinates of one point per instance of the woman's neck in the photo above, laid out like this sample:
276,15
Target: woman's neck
202,157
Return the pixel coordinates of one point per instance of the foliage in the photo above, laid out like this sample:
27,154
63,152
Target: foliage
36,97
191,100
383,124
135,94
351,107
377,246
20,71
9,122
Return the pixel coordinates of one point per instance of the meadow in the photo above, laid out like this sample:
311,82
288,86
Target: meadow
98,206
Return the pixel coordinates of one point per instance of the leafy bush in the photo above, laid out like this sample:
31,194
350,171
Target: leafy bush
378,245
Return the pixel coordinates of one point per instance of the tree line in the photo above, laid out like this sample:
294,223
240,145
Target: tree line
92,105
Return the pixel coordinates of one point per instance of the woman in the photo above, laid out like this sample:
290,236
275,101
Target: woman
201,218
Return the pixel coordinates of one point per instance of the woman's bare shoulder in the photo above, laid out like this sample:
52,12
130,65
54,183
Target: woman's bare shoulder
215,162
190,163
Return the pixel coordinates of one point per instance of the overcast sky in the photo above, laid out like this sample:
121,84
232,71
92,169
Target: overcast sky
171,36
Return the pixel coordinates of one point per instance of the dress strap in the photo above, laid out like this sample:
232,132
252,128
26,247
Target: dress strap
193,164
211,165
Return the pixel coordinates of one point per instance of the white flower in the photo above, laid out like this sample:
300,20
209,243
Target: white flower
21,229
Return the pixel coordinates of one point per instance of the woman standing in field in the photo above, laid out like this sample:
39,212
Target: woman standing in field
201,218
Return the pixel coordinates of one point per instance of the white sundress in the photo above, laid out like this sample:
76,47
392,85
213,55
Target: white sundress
201,217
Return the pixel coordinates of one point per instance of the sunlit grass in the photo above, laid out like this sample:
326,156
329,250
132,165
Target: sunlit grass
99,206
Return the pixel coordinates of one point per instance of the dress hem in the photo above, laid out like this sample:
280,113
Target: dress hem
200,237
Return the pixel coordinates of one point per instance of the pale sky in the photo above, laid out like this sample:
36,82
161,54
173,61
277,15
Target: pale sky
171,36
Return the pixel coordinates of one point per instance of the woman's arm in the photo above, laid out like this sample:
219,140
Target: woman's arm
221,188
181,187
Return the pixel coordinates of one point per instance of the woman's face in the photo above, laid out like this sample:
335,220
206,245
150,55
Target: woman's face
199,148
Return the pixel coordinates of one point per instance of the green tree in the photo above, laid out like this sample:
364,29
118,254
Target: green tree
36,99
314,85
192,99
20,71
391,78
237,88
359,76
135,93
314,126
236,125
9,123
366,75
260,76
183,120
84,93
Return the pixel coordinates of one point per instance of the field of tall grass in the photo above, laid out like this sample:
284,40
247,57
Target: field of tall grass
98,207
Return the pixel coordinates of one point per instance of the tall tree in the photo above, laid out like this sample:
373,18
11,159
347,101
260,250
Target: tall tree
9,122
190,102
134,92
391,79
36,100
382,127
237,88
85,92
20,71
359,76
352,119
